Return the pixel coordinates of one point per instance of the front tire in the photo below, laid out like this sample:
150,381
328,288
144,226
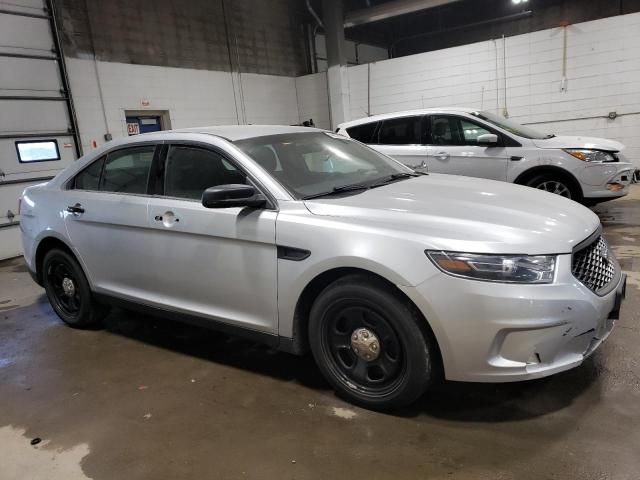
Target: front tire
555,184
368,343
68,290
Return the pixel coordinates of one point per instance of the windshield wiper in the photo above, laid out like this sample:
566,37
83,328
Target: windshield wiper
344,188
551,135
353,187
395,176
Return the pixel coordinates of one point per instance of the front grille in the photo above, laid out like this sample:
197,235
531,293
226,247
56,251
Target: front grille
594,265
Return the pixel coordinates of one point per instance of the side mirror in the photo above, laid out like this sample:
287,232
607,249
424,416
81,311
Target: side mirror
232,195
487,139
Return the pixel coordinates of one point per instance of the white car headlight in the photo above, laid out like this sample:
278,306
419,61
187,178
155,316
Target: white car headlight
496,268
586,155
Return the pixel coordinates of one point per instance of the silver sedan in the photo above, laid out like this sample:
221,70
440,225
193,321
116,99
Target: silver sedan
304,239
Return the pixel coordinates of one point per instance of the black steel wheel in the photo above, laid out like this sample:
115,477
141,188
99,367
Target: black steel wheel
369,344
68,290
66,296
364,350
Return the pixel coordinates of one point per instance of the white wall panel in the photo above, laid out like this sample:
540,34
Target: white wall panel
270,102
25,76
25,35
313,99
33,116
192,97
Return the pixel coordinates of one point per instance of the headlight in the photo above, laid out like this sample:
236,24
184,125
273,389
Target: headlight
597,156
496,268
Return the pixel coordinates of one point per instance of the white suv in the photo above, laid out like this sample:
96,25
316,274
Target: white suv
481,144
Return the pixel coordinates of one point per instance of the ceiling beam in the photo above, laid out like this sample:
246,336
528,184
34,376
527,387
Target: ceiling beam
390,10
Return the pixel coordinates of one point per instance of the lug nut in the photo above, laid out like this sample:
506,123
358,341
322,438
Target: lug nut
374,346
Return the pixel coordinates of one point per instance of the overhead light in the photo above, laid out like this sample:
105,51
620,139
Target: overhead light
517,2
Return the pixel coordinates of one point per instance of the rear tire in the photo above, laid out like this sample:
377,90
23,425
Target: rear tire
555,184
68,290
368,343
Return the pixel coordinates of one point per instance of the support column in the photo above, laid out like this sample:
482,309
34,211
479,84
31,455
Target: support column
337,80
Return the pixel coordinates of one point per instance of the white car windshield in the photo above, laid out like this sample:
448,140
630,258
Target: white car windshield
511,126
315,164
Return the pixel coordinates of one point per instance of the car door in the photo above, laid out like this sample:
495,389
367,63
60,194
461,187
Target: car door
454,149
402,138
107,223
220,264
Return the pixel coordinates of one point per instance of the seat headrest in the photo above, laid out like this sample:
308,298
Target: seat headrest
265,157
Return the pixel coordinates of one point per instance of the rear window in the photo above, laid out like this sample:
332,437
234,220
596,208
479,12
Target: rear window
127,171
363,133
401,131
89,178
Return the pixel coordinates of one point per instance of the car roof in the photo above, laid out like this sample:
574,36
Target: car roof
241,132
406,113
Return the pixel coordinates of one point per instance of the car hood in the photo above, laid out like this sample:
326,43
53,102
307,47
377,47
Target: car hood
565,141
466,214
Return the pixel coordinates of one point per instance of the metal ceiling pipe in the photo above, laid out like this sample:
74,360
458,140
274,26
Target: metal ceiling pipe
314,14
390,10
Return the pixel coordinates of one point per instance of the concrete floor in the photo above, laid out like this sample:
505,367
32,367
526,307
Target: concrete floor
145,398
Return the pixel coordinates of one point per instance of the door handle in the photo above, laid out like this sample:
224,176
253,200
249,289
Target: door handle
167,218
75,209
442,155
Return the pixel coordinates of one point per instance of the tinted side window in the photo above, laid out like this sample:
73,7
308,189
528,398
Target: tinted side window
363,133
189,171
127,171
89,178
401,131
446,131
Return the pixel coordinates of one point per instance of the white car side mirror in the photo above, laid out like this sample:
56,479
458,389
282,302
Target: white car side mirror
487,139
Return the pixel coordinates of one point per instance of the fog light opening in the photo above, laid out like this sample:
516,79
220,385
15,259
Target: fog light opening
615,186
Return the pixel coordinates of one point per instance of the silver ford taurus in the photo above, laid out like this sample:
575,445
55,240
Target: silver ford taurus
304,239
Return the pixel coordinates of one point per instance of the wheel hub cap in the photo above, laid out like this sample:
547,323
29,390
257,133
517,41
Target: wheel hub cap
68,287
365,344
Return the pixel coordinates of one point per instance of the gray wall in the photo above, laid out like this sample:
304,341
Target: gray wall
264,37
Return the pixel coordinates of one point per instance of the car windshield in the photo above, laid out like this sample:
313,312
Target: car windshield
511,126
311,164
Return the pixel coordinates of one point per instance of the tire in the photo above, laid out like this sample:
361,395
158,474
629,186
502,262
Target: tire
68,290
341,321
556,184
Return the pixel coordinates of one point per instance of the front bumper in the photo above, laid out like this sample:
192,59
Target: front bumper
493,332
606,180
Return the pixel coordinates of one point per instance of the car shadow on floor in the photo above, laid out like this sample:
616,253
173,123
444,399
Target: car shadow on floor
215,347
454,401
506,402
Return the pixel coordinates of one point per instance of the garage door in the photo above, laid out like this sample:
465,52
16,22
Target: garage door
38,131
